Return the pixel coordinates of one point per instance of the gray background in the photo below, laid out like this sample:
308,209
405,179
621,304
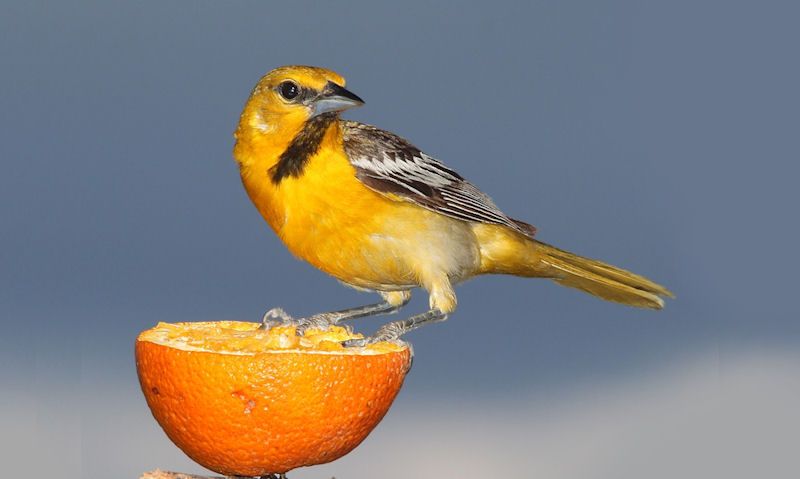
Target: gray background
659,136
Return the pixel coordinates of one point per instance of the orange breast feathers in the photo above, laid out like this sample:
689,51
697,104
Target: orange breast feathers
327,217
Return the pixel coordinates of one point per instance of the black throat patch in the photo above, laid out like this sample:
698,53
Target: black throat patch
303,146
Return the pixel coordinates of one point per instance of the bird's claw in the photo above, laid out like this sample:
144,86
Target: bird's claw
356,343
278,317
275,317
383,334
321,321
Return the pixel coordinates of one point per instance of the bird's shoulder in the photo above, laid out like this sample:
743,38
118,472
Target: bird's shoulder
391,165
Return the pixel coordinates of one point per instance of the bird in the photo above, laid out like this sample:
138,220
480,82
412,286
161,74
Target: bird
369,208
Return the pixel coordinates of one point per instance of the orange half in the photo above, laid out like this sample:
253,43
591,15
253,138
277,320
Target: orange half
248,402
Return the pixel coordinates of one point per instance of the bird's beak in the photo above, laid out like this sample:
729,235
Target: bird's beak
335,98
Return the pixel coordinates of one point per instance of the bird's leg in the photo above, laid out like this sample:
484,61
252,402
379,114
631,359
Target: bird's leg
392,302
396,329
324,320
277,316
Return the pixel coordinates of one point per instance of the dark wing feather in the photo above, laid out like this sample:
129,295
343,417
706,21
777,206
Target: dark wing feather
389,164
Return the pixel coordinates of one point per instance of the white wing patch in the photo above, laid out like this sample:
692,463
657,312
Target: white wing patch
389,164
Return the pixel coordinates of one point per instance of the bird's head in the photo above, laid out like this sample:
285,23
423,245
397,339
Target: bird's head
285,98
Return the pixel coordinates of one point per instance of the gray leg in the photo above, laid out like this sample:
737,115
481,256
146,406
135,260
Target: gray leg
324,320
396,329
393,302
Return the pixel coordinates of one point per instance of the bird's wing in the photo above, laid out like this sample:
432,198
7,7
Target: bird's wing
392,166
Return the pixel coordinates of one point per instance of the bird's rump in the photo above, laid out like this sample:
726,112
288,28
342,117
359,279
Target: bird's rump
390,165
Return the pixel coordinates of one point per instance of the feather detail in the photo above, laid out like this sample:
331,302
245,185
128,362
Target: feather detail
390,165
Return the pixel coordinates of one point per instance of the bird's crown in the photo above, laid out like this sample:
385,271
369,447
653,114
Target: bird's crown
312,78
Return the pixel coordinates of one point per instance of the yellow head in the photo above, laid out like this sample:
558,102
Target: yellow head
287,97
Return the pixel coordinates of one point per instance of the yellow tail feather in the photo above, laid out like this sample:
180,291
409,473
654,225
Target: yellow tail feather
597,278
504,251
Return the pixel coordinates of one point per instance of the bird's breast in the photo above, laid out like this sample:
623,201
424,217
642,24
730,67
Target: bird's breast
327,217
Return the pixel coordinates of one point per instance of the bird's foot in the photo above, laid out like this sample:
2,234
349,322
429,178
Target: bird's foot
278,317
396,329
360,343
321,321
275,317
387,332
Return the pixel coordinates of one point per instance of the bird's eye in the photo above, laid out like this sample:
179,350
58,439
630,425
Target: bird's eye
289,90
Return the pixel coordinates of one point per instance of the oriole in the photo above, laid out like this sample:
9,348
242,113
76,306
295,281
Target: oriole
372,210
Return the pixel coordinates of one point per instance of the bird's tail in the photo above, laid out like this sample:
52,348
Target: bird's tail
506,252
597,278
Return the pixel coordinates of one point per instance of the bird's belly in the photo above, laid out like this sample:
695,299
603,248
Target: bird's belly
386,246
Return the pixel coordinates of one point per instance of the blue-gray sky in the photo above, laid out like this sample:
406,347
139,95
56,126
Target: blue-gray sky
659,136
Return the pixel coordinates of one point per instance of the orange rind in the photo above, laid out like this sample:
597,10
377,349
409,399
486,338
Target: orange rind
245,401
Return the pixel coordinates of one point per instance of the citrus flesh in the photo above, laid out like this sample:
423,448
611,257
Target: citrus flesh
249,402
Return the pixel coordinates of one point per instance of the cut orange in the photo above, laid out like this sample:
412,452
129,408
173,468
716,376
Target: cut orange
249,402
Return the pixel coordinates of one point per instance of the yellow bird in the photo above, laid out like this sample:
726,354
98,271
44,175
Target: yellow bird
372,210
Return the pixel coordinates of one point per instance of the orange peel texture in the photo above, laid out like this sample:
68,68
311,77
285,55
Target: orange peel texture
248,402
